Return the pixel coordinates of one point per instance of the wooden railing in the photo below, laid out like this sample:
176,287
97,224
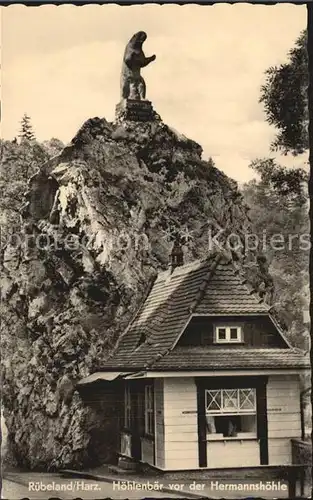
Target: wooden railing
302,457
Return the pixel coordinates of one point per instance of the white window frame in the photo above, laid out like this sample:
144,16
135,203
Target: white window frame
228,339
149,410
233,394
127,407
220,397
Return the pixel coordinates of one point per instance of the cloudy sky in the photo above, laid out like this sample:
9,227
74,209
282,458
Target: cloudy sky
61,65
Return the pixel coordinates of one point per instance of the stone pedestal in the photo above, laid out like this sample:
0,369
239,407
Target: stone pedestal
134,110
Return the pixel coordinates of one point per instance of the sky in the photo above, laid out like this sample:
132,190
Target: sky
61,65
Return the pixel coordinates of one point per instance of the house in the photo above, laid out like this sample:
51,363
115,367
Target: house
207,376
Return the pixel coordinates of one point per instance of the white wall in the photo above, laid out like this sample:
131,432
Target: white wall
235,453
179,431
159,423
283,416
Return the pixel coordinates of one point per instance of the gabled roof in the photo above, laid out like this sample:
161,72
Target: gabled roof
212,286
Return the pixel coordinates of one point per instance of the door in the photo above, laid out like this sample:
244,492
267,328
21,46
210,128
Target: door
137,420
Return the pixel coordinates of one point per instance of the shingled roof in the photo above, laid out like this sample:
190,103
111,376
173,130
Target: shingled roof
212,286
204,358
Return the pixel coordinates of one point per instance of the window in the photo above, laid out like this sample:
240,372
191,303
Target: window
149,410
127,408
226,334
230,413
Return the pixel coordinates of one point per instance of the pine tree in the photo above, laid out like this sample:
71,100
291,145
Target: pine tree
26,131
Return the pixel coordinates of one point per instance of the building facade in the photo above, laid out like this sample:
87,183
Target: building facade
206,375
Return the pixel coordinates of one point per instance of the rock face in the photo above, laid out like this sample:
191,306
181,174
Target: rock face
98,225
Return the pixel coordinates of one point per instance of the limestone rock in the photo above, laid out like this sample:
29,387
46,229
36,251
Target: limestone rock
99,225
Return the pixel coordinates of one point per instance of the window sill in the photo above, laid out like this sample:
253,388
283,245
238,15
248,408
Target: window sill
228,342
243,437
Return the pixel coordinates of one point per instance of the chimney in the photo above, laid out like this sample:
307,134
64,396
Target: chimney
177,255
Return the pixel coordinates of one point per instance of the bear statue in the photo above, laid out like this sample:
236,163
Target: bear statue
132,84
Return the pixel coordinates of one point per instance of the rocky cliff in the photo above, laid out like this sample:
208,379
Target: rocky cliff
98,222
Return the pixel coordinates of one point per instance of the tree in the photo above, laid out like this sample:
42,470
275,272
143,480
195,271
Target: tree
18,162
53,146
282,182
210,162
279,217
279,200
26,131
285,100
